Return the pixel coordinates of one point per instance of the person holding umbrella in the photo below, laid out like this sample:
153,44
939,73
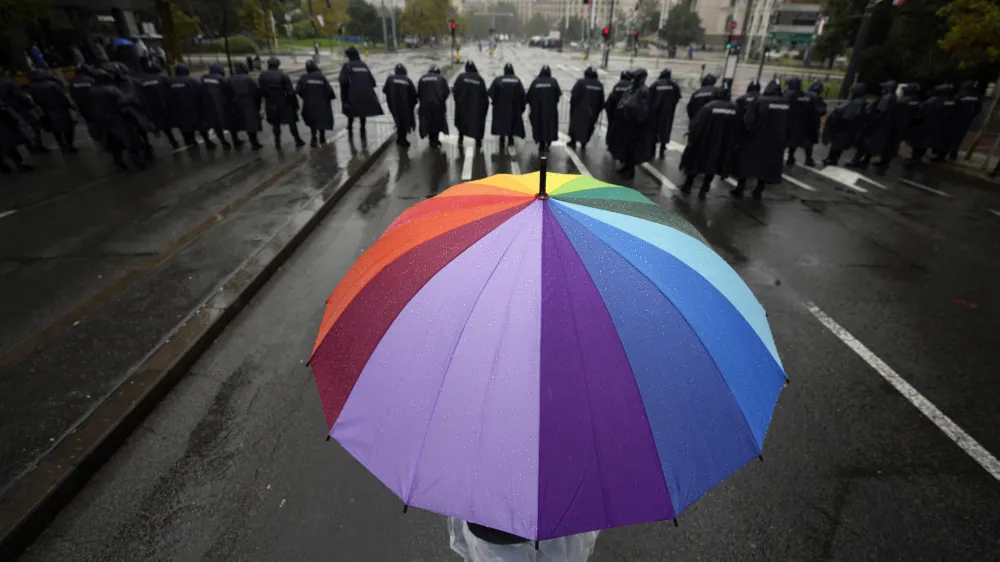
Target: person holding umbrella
536,413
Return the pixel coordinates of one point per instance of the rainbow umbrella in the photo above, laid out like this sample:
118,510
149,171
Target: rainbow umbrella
546,364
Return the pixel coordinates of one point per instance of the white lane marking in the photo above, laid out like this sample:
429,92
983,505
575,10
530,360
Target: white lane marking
797,183
12,211
944,423
840,175
676,146
995,212
577,162
664,180
925,188
731,182
467,163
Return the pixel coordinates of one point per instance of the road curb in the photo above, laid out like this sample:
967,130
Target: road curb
30,505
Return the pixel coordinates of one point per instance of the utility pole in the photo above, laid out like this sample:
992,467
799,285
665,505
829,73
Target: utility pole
225,33
315,34
859,47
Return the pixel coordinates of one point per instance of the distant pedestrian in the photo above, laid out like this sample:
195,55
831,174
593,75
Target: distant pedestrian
357,90
280,102
933,124
968,104
317,103
154,92
702,95
216,103
586,102
246,104
800,106
614,97
509,100
764,138
881,131
48,93
666,94
401,97
432,93
690,52
471,104
845,125
185,106
633,141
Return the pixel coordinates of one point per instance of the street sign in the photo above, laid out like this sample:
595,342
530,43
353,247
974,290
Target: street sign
732,25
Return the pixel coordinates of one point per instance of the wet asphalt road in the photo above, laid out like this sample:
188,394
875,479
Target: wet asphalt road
234,465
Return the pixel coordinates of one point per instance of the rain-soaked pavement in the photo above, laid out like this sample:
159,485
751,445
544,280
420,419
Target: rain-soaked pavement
234,465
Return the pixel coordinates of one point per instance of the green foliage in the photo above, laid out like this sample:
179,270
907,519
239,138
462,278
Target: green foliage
238,45
429,18
333,12
537,25
365,20
254,21
974,36
15,13
683,26
185,27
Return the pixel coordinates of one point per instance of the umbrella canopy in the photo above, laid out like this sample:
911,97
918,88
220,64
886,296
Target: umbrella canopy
546,366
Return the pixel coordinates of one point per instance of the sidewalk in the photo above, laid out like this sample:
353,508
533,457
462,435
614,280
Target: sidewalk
187,259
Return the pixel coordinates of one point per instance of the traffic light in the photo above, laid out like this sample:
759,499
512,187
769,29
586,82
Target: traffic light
729,42
453,26
635,35
606,33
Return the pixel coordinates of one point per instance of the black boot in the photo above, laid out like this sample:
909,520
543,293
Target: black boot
687,185
503,142
737,191
571,144
461,138
322,136
704,189
312,139
510,140
479,145
758,191
663,150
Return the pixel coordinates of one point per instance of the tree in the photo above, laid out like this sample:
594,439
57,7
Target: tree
186,27
427,18
327,15
974,40
537,25
683,26
254,21
365,19
575,29
974,36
